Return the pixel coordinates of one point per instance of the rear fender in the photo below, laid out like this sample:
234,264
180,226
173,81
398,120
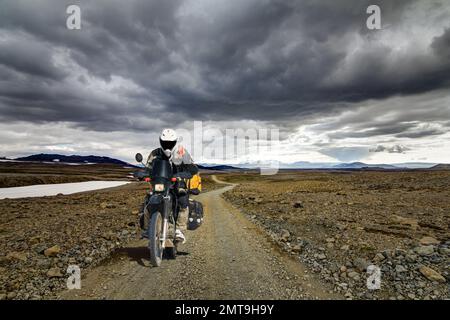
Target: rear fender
155,203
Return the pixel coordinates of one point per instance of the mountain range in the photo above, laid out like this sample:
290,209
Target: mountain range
43,157
239,166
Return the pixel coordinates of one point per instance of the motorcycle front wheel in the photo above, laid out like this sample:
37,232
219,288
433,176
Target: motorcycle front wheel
154,236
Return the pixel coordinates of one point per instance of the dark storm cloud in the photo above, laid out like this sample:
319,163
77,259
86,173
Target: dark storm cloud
392,149
263,60
441,45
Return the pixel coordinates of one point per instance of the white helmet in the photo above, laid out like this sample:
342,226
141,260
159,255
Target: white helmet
168,139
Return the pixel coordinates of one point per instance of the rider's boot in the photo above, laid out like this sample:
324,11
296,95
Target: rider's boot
182,224
144,221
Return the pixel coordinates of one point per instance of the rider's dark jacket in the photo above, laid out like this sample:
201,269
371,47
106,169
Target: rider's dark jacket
180,158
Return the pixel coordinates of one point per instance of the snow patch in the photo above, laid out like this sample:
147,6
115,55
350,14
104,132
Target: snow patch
43,190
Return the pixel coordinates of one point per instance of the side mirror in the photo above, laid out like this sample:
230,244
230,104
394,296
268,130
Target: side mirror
138,157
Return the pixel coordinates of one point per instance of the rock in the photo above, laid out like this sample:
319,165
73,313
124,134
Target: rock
399,268
11,295
343,268
411,258
3,261
321,256
54,273
297,204
361,264
444,251
2,296
105,205
330,240
354,275
19,256
34,240
297,248
424,250
88,260
52,251
431,274
345,247
379,257
39,248
285,235
43,263
429,240
387,253
109,235
413,223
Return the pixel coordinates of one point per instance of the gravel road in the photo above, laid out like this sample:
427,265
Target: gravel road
226,258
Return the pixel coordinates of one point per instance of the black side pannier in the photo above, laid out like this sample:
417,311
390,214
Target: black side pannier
195,214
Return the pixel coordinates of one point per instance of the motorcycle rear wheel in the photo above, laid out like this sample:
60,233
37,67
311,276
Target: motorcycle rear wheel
154,235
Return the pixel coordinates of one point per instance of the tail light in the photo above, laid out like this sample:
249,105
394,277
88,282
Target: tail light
147,179
173,179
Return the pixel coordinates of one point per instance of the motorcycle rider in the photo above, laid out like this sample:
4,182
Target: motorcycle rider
181,162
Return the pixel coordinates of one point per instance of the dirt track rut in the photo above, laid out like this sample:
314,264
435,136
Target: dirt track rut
226,258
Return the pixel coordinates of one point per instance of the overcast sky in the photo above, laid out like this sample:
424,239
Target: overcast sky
335,90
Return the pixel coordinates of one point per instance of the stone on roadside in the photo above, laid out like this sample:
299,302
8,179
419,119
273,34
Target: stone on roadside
52,251
11,296
379,257
321,256
105,205
353,275
297,204
424,250
399,268
285,235
361,264
429,240
54,273
109,235
18,256
431,274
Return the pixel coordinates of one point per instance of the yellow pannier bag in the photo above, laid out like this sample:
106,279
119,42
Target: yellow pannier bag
195,184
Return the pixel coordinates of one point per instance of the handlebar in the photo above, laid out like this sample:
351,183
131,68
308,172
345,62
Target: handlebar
183,175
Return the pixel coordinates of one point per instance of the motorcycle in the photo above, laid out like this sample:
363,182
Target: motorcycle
162,207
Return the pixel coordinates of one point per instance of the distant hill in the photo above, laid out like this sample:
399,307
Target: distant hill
73,159
362,165
218,167
415,165
441,166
